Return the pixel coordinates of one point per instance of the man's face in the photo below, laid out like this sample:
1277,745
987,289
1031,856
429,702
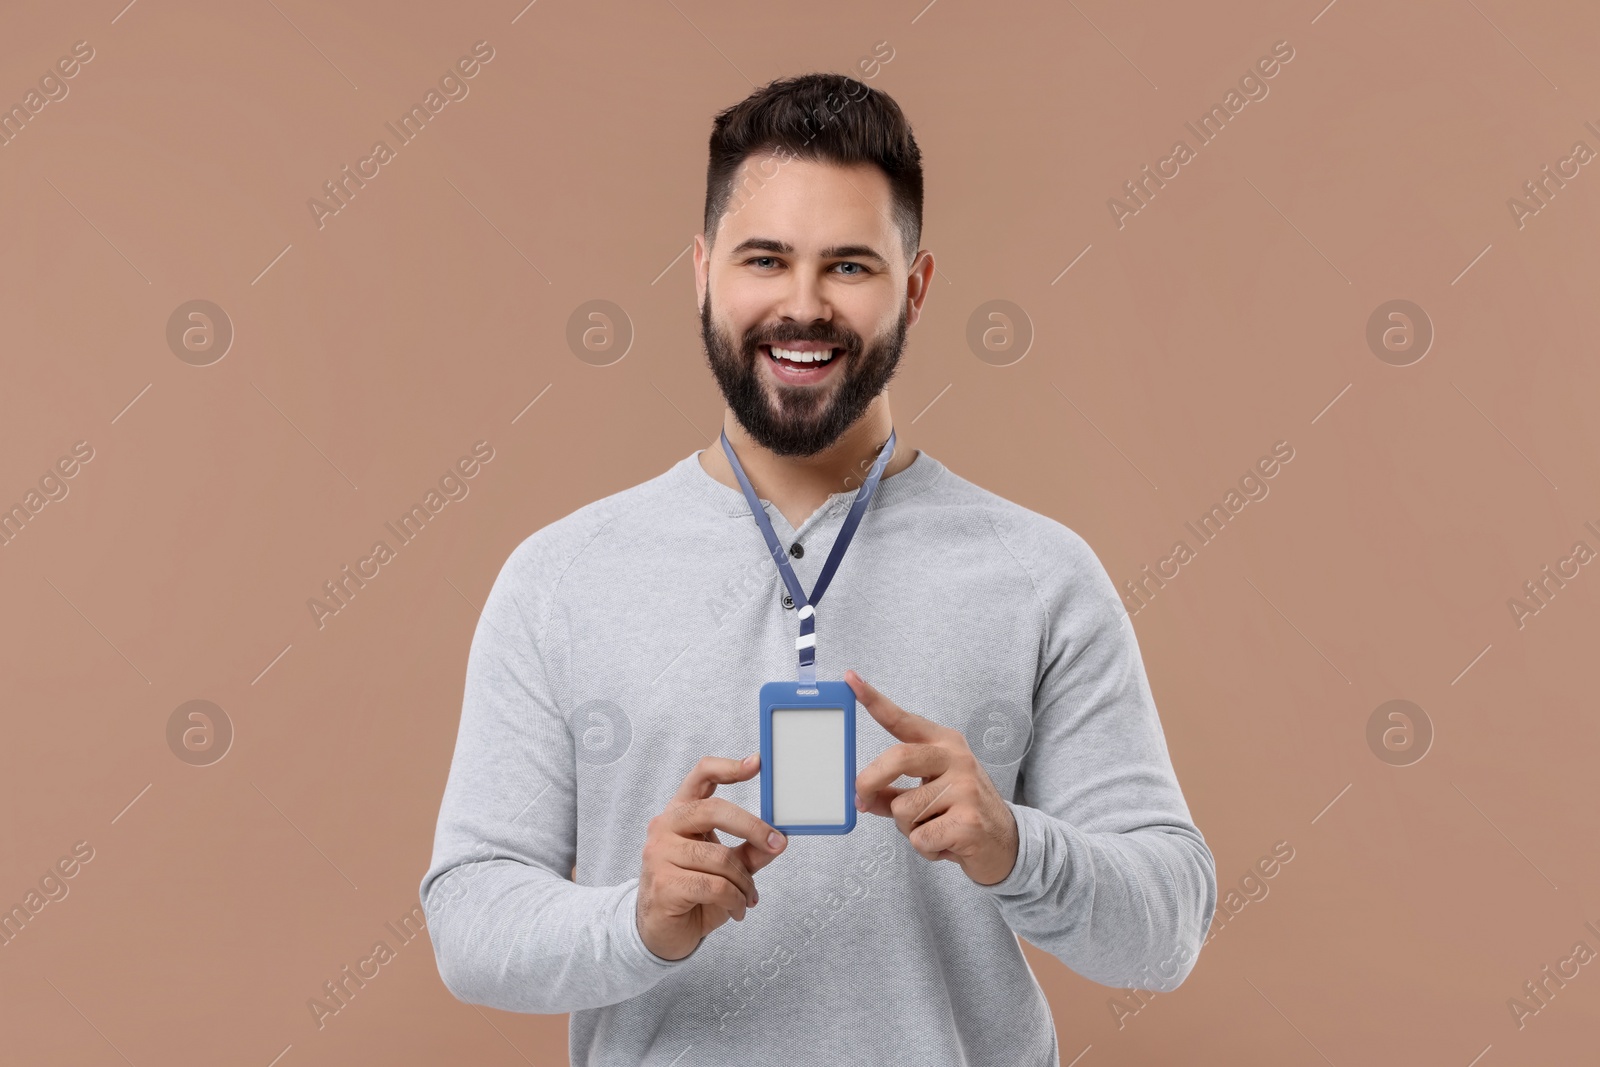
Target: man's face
806,261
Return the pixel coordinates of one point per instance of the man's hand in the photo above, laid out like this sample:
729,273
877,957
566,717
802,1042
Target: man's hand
956,813
689,882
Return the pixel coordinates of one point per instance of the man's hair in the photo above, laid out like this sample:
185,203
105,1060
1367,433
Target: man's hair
820,118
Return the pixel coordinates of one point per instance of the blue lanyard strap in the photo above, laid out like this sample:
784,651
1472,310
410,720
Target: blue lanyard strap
806,643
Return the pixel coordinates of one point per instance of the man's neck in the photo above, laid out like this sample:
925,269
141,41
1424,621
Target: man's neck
799,485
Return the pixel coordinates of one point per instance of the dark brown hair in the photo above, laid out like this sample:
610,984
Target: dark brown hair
820,118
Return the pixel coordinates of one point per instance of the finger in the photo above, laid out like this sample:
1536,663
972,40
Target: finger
755,855
711,893
880,802
940,837
694,818
903,725
757,852
915,807
716,916
718,860
712,771
912,760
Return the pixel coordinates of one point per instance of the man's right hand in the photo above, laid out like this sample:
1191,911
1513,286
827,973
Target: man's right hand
689,882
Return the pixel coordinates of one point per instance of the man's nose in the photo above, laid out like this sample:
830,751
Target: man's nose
803,300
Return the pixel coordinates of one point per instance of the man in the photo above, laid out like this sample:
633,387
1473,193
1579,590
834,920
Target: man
611,720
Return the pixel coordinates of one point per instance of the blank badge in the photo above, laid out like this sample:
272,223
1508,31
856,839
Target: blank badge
808,757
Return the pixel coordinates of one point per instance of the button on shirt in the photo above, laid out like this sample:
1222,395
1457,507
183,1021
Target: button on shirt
623,642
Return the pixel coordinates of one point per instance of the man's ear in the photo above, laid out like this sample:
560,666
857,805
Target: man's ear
918,283
702,269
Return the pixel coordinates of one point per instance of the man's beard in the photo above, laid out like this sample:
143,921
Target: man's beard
803,423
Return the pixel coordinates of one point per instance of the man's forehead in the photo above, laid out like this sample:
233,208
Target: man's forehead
808,205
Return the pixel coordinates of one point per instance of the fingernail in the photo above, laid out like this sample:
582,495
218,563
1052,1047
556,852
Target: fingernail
859,806
748,760
775,841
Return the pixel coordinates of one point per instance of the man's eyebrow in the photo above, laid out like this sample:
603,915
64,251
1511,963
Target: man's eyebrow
853,252
783,248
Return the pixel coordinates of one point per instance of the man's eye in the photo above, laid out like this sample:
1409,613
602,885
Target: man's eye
859,269
761,259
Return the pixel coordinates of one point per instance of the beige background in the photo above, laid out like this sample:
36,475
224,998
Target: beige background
1229,314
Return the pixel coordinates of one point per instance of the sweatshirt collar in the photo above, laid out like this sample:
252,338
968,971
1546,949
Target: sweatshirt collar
693,479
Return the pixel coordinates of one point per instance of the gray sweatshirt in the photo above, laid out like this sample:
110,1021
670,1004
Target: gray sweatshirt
624,641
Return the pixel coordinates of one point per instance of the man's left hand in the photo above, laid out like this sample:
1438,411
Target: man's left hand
956,813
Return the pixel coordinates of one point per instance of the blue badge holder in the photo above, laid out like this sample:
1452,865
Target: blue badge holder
805,752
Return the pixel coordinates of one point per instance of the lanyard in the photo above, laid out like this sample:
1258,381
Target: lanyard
806,643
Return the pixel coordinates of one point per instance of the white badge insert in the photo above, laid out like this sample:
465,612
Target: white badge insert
808,761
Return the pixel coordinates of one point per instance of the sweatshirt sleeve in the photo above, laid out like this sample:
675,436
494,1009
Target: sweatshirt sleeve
1112,876
509,929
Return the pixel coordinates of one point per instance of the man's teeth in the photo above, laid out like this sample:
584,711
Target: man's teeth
801,357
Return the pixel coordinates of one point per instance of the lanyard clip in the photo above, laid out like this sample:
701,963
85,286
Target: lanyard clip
806,645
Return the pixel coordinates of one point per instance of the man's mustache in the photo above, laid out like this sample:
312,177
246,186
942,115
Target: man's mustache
849,344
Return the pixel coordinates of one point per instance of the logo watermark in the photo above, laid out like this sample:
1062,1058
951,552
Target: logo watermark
599,332
199,332
853,886
1541,190
199,733
340,591
1252,887
602,733
1541,590
1136,594
1000,732
1538,991
52,487
1252,87
1399,332
340,990
1399,732
999,332
52,888
453,84
53,89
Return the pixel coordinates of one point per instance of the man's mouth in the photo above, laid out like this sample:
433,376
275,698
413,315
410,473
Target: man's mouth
807,362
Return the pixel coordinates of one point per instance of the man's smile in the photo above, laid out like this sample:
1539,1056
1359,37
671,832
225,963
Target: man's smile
801,362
